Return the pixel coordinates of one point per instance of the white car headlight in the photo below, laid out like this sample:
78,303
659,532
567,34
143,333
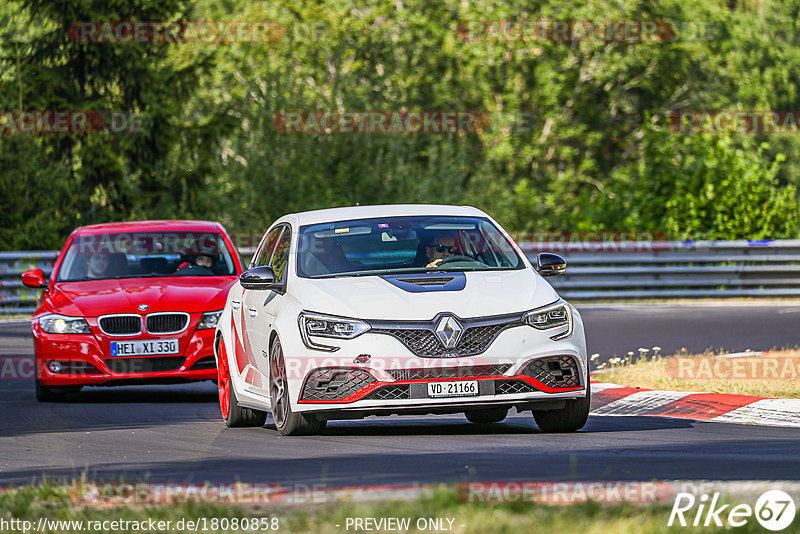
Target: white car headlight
551,316
61,324
318,325
209,320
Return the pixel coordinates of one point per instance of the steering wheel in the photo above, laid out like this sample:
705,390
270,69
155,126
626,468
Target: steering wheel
193,270
457,257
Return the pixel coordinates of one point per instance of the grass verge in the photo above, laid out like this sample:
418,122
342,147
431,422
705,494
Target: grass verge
30,503
770,374
722,301
15,316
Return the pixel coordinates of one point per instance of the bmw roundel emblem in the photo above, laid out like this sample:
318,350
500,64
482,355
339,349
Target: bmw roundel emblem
143,307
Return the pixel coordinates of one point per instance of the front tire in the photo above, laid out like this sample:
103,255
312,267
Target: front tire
233,414
570,418
54,393
287,422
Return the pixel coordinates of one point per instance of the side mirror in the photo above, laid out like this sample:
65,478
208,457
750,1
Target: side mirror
34,278
260,278
550,264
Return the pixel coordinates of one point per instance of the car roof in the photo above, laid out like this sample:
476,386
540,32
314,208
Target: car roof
150,226
386,210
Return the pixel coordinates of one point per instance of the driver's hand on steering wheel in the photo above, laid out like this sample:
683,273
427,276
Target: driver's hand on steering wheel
440,250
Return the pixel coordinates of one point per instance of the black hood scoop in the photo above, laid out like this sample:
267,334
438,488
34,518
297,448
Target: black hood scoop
420,283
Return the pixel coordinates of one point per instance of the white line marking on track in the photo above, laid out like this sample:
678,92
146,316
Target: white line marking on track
641,402
771,412
597,387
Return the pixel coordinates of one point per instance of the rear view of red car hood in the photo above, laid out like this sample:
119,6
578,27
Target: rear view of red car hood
100,297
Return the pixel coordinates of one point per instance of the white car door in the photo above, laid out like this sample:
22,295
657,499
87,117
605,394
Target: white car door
260,305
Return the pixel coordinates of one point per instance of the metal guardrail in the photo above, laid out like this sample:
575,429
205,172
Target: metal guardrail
14,297
596,270
676,269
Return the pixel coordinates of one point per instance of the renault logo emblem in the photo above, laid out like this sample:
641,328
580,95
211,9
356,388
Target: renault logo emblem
449,331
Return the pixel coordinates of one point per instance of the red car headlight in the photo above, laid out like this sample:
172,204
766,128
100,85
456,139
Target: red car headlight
209,320
62,324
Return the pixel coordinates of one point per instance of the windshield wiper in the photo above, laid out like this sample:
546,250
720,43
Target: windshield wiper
407,270
118,277
149,275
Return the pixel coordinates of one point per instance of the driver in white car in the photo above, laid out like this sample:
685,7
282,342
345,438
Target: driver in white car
441,246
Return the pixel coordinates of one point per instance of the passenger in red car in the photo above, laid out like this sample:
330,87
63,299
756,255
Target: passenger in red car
203,260
98,265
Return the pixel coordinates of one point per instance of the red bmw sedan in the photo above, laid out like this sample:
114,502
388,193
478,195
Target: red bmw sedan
132,302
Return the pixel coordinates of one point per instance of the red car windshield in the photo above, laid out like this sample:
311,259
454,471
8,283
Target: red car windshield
146,254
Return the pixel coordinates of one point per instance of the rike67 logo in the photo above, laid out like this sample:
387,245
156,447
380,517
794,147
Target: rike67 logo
774,510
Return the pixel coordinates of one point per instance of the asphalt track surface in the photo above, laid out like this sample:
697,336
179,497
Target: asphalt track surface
174,433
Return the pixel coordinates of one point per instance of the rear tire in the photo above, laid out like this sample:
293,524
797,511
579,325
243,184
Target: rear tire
484,417
54,393
233,414
570,418
287,422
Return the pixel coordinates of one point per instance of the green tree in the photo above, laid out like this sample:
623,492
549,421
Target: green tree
155,171
704,186
586,158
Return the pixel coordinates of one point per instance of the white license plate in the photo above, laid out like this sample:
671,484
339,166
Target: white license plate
462,388
144,348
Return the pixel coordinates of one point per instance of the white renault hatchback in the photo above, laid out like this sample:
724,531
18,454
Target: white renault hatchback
401,309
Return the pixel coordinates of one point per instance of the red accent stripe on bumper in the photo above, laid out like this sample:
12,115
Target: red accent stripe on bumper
369,388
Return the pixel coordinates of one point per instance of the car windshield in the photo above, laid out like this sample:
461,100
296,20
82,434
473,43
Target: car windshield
403,244
146,254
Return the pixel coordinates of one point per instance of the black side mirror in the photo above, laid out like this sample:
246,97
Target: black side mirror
260,278
550,264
